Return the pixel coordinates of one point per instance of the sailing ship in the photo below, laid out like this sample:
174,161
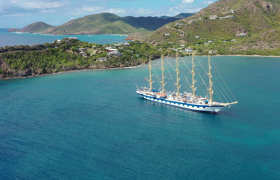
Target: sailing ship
186,100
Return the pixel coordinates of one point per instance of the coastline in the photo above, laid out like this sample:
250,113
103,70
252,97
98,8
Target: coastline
66,34
113,68
70,71
242,55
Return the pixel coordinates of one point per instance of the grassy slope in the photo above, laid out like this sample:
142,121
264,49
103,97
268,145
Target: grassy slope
259,18
37,27
104,23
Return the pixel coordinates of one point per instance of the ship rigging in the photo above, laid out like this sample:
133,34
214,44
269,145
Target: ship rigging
186,100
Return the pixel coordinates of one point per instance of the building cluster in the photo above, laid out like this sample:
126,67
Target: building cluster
112,50
227,15
183,49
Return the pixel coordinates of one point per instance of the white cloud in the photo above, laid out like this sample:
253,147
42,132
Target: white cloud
86,10
90,9
118,11
144,12
14,15
208,2
33,4
187,1
180,8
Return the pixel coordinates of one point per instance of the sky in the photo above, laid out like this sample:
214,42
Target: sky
19,13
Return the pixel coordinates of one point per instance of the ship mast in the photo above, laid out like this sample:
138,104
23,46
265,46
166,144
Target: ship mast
150,74
162,75
178,75
210,90
193,76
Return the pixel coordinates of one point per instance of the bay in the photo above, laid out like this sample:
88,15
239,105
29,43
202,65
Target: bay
12,38
92,125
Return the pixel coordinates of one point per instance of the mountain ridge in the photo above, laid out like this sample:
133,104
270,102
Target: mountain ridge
103,23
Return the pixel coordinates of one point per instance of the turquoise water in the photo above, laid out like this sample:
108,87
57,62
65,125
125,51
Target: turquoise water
10,38
91,125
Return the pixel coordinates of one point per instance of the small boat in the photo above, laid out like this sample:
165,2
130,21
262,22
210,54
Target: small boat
186,100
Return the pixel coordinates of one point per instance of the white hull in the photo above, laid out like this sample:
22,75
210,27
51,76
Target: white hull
189,106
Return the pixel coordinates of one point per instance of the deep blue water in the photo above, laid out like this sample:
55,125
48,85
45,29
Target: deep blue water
11,38
91,125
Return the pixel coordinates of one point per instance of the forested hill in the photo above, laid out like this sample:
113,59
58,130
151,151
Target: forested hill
71,54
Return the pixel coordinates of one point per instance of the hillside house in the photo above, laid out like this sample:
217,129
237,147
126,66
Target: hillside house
178,25
112,51
102,59
213,17
166,34
188,50
182,33
243,34
226,17
82,52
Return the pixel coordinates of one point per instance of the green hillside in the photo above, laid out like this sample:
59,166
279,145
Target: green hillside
104,23
37,27
228,26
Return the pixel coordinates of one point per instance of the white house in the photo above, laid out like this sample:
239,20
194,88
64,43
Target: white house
243,34
102,59
226,17
213,17
188,50
166,34
113,51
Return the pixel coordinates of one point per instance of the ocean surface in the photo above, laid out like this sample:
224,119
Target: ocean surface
91,125
12,38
